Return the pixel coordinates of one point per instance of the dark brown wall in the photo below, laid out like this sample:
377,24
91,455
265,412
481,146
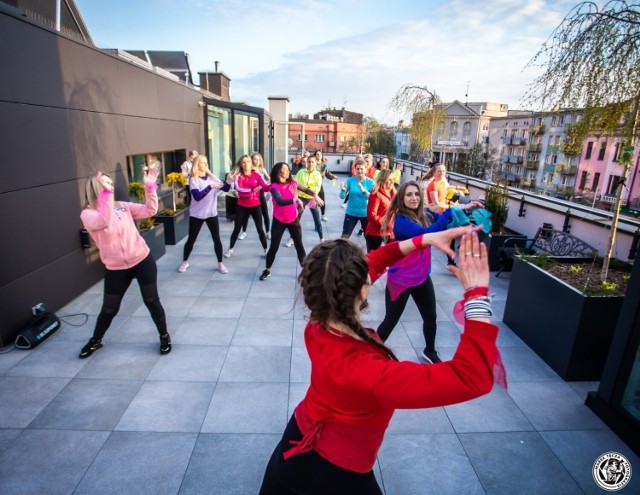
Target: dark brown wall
67,109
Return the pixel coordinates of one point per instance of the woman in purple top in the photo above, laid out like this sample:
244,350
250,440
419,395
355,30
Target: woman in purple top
204,187
284,194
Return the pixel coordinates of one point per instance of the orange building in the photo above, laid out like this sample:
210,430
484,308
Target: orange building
333,131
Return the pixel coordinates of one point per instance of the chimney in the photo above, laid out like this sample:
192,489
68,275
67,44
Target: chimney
216,82
216,64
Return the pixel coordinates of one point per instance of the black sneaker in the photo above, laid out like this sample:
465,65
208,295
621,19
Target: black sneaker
265,274
92,346
165,343
431,357
360,232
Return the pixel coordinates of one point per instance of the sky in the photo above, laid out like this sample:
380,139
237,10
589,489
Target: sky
342,53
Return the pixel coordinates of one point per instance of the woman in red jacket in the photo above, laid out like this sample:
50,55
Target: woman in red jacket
377,207
331,442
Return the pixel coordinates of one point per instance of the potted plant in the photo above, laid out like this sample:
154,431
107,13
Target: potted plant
496,201
176,219
564,312
151,232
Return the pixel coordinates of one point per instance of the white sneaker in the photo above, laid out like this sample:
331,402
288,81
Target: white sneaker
269,235
289,243
222,268
183,266
344,205
243,235
265,252
229,253
324,218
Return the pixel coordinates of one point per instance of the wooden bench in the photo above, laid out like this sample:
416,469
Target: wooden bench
557,243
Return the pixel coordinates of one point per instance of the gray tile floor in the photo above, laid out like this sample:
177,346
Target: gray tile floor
205,418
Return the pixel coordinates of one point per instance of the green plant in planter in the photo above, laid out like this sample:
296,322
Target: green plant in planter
176,180
146,224
136,191
496,199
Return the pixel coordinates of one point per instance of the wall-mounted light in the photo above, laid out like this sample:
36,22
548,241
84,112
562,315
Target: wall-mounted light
202,104
523,210
567,219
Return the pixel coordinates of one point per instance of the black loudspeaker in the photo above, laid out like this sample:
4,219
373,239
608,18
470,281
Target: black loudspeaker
85,238
37,330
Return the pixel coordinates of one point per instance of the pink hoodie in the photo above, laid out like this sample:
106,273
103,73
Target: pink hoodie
114,232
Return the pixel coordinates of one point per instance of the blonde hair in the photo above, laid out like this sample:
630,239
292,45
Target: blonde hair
197,161
92,189
258,155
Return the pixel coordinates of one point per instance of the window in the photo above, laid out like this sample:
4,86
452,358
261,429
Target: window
589,150
614,180
319,138
343,139
557,140
441,130
583,179
453,130
603,147
596,180
306,137
245,133
165,161
219,139
553,121
616,153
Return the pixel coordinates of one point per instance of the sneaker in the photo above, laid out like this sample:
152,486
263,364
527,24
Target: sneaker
265,274
222,268
183,266
264,253
344,205
243,235
324,218
360,232
165,343
92,346
269,235
229,253
431,357
289,243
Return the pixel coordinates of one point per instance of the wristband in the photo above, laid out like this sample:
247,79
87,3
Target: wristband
477,291
417,241
477,308
151,186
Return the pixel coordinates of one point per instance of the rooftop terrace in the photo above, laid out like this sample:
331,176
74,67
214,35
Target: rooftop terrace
205,418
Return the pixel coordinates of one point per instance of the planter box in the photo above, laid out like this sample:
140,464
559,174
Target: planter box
494,242
571,332
175,227
155,240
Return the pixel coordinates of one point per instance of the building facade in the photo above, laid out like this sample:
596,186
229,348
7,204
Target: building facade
330,130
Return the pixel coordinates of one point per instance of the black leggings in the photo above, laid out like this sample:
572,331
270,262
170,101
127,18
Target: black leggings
242,213
295,231
265,214
321,196
116,283
425,298
195,224
311,474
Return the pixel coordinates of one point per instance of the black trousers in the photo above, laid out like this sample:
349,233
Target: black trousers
311,474
242,213
195,224
277,231
425,298
264,208
350,223
116,283
321,196
373,242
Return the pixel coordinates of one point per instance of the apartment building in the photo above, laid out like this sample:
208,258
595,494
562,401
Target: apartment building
330,130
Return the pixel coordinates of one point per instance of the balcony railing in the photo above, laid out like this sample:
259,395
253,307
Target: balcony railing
504,158
565,169
528,183
536,147
515,159
549,168
514,140
532,164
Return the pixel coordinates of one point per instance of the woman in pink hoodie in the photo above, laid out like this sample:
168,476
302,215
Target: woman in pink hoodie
124,253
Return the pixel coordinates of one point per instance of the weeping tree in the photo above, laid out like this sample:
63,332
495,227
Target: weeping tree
591,61
425,108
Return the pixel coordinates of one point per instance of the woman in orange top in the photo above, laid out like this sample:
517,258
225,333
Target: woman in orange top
377,207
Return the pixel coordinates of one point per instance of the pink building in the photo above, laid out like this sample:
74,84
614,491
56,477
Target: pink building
600,171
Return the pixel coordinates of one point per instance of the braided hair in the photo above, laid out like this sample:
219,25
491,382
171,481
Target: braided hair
332,276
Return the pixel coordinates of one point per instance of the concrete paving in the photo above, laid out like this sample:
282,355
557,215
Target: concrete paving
205,418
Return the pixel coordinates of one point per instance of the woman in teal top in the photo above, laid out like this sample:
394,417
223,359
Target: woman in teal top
357,189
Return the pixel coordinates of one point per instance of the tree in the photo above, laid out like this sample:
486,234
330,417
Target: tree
592,60
477,162
425,108
381,139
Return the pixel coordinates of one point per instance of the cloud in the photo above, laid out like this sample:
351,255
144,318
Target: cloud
487,44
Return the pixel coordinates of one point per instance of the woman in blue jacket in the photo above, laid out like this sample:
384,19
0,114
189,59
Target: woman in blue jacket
411,276
357,190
